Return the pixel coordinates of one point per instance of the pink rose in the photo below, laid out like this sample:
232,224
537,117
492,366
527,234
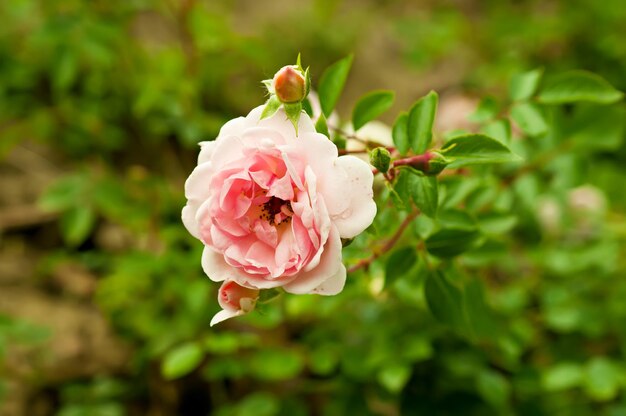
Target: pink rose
235,300
271,208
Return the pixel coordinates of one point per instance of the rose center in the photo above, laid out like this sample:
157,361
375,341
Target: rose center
276,211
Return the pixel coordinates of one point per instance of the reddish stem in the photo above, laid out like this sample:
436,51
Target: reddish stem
388,245
419,162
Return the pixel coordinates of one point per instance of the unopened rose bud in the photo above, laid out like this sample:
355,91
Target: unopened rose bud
289,84
235,300
235,297
436,163
380,159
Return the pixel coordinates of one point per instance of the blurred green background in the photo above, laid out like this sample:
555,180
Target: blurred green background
104,309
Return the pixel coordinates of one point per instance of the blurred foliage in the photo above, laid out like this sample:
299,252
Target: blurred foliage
527,316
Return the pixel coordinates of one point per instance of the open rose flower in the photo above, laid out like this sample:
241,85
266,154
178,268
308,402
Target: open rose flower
271,207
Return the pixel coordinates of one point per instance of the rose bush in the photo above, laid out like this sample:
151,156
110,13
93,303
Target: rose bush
272,207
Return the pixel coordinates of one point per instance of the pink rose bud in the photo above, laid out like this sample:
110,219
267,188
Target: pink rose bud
289,84
235,300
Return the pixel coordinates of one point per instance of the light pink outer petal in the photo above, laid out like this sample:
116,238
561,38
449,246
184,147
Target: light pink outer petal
334,284
218,270
345,184
196,191
328,268
358,191
224,315
206,151
215,266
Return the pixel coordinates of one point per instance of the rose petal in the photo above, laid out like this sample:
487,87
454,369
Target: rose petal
334,284
223,315
358,191
218,270
196,191
330,262
206,151
189,220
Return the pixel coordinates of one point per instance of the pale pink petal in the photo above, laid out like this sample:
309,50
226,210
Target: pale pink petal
266,232
292,170
334,284
330,262
226,150
261,139
217,269
281,188
189,221
262,256
358,190
321,155
206,151
197,185
234,127
196,191
223,315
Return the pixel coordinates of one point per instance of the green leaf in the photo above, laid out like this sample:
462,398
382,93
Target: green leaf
499,130
601,380
257,404
323,359
425,194
450,242
420,122
420,188
400,133
529,118
487,109
370,106
444,300
597,128
332,82
524,85
562,376
399,263
575,86
76,224
493,387
63,194
394,377
271,107
497,223
276,364
181,360
480,316
321,126
474,149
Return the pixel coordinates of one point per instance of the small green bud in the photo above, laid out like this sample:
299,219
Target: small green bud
380,158
436,163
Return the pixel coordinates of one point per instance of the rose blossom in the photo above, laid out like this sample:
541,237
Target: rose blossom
271,207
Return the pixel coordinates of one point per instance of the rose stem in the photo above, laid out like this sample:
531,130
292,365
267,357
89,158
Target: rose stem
388,245
411,161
